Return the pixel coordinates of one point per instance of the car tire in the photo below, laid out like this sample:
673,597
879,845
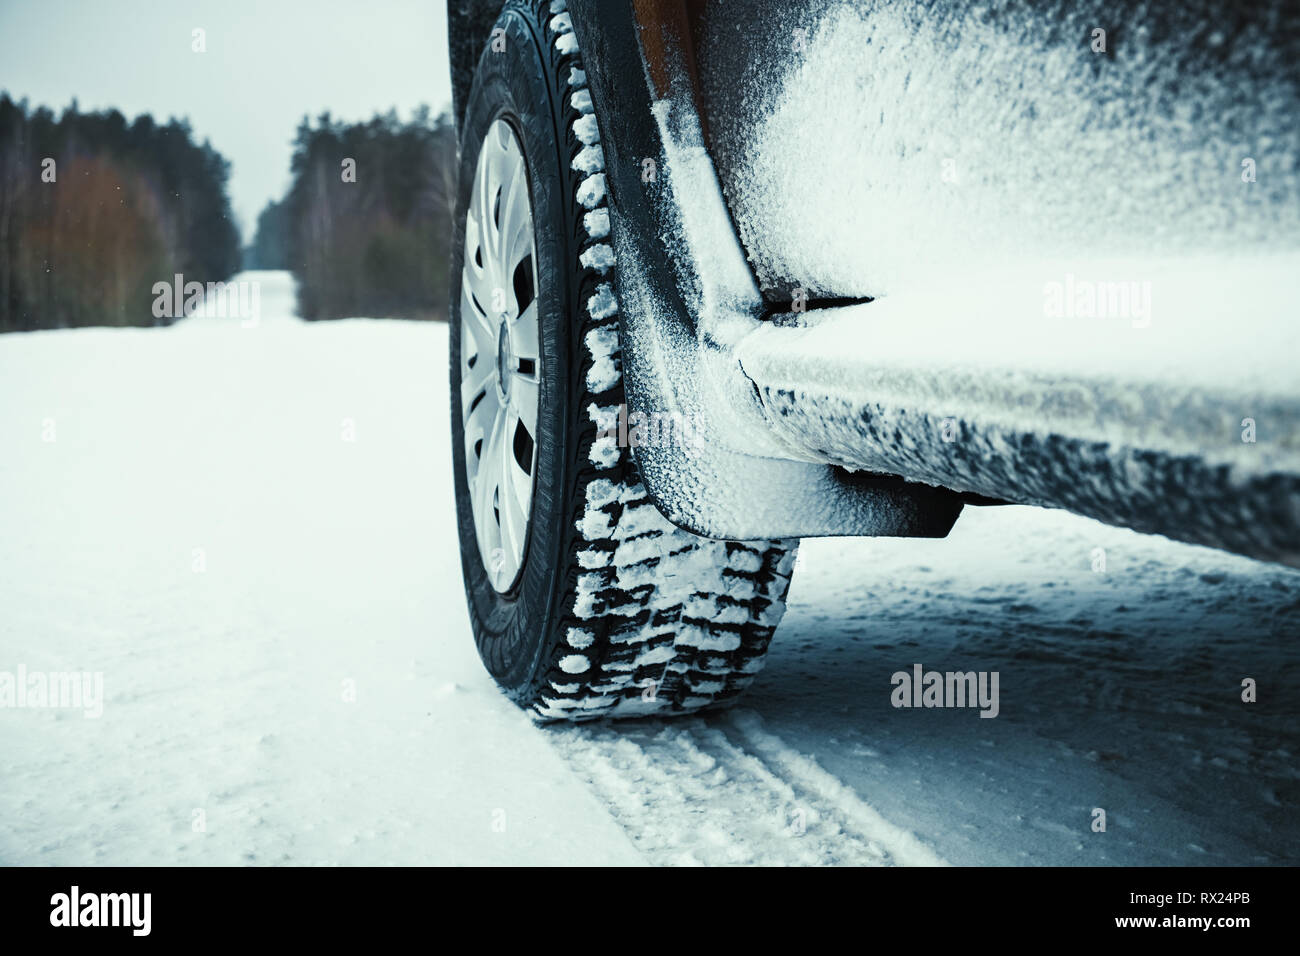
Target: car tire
609,609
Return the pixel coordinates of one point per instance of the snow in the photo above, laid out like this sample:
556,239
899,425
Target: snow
1215,322
589,160
579,639
604,453
586,130
604,303
574,664
599,257
581,100
604,373
913,144
591,191
596,223
1082,381
732,480
727,301
1187,422
561,23
1219,347
329,565
331,568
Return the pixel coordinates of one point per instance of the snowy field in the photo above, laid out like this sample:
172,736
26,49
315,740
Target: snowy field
248,532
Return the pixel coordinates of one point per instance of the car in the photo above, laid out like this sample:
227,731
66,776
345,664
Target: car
727,275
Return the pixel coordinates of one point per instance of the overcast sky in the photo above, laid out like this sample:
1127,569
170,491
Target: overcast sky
268,62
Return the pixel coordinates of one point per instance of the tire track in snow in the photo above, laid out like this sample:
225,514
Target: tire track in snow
723,790
903,845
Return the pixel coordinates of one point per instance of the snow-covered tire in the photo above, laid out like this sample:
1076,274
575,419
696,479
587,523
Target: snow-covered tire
616,612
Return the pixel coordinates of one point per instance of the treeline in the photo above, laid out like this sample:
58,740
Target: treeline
366,224
94,210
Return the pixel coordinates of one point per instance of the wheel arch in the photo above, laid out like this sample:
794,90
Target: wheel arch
638,55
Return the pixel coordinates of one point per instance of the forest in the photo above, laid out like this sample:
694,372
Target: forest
95,209
366,224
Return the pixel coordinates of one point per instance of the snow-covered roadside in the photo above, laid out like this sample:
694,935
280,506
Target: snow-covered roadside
203,533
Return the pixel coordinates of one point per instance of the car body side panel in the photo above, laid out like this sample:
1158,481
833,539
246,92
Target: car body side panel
882,418
721,486
874,147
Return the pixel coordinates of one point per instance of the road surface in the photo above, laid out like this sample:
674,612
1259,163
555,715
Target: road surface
246,531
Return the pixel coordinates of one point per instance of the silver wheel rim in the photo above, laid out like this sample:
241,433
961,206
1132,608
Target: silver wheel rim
499,365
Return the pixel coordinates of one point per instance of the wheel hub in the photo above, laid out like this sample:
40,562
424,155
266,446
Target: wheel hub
499,355
504,360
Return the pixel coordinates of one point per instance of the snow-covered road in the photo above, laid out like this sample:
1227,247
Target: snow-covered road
248,533
1119,690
